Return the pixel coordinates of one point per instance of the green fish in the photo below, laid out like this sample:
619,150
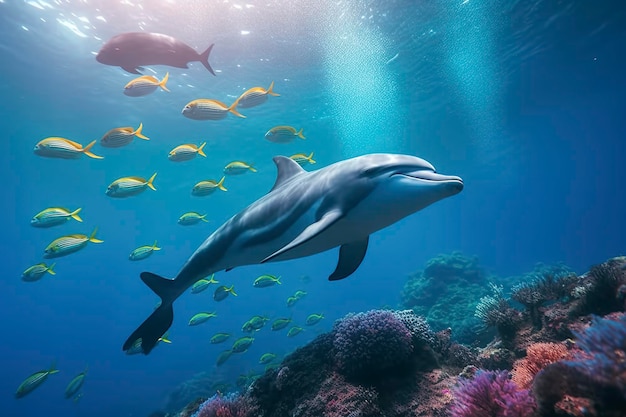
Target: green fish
69,244
200,318
314,319
222,292
266,281
54,216
242,344
291,301
280,323
220,338
136,347
271,366
255,323
294,331
143,252
36,272
223,357
299,294
34,381
75,385
191,218
267,358
203,284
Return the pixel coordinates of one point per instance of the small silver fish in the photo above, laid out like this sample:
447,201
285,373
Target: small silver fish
143,252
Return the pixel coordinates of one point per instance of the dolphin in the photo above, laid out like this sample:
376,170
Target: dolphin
303,214
132,50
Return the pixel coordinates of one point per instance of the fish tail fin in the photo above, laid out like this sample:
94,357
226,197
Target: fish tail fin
200,151
232,290
155,247
203,218
156,325
93,238
251,168
139,134
53,367
212,279
233,109
50,269
74,215
300,134
164,81
86,150
220,184
164,339
270,90
204,58
150,182
278,281
310,158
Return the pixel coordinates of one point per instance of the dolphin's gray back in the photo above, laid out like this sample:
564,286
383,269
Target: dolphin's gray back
153,49
277,218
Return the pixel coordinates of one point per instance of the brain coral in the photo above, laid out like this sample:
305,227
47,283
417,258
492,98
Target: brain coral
370,344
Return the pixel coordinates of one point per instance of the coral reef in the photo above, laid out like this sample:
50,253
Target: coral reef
491,394
445,293
367,345
595,377
390,363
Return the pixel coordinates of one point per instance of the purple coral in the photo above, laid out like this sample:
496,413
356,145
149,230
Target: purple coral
372,343
491,394
232,405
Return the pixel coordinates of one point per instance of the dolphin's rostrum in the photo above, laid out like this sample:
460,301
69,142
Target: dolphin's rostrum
303,214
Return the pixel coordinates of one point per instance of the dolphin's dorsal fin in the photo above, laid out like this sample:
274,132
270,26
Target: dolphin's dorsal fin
287,169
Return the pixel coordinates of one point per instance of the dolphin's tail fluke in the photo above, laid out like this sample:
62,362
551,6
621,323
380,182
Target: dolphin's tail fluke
155,326
204,58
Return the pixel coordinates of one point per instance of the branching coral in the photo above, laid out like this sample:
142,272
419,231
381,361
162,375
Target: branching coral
491,394
538,356
495,311
545,284
604,293
369,344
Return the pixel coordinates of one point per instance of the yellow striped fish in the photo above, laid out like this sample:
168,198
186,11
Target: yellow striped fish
122,136
69,244
36,272
238,168
283,134
144,85
143,252
34,381
303,159
192,217
129,186
207,187
54,216
55,147
255,96
206,109
186,152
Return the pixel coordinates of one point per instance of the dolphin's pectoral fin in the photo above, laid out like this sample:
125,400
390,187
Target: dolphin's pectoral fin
350,257
132,70
309,233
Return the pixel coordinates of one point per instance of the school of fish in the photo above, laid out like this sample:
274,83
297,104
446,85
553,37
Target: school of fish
200,109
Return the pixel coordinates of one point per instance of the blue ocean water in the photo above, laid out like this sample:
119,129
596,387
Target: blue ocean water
524,101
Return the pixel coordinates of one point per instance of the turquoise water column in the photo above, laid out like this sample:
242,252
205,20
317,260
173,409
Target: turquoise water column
362,87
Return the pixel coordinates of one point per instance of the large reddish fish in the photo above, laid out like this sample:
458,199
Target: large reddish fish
135,49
